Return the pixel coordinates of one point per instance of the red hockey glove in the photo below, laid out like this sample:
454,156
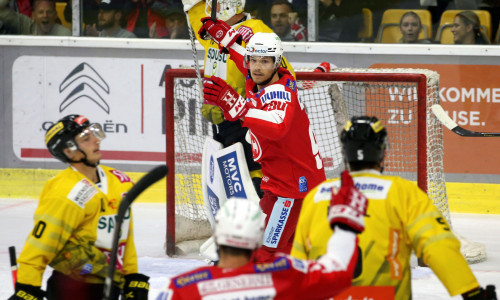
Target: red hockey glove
220,32
217,91
348,206
323,67
481,294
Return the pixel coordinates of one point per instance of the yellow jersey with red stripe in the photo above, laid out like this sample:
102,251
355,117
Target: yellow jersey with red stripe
74,225
400,219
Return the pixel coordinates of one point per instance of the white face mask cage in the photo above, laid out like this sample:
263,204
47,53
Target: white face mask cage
227,8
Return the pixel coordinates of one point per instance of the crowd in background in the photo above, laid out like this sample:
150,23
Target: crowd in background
338,20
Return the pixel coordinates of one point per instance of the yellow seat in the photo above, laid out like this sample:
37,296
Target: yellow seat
389,31
497,38
60,6
365,33
444,35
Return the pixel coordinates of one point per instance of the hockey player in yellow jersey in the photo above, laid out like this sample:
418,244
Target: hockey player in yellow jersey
217,63
74,223
400,219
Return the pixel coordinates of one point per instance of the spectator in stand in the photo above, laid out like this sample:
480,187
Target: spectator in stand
21,6
467,29
90,10
43,21
140,15
339,20
280,22
411,26
108,21
175,21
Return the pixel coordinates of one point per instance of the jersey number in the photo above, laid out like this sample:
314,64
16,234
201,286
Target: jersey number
39,229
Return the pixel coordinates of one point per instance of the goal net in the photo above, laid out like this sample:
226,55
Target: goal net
400,98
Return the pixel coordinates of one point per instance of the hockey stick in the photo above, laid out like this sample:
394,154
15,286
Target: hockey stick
146,181
452,125
213,12
13,264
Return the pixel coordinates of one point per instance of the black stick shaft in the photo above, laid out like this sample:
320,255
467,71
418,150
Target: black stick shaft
146,181
213,13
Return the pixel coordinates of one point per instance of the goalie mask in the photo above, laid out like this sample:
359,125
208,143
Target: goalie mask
227,8
239,223
61,135
364,139
264,44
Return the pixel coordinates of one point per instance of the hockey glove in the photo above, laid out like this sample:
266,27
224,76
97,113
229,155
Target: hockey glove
26,291
136,287
481,294
348,206
217,91
220,32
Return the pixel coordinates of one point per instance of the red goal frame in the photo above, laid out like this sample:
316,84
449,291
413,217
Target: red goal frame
419,79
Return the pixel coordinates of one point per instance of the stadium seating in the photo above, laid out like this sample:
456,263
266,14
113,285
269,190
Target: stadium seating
365,33
389,31
444,35
60,6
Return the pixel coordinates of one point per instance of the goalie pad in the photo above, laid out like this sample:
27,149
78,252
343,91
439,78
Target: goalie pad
211,181
234,172
224,175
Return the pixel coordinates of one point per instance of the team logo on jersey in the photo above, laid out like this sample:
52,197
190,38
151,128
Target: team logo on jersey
291,84
256,149
121,176
277,265
186,280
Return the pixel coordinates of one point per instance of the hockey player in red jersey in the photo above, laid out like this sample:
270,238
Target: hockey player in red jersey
282,139
238,232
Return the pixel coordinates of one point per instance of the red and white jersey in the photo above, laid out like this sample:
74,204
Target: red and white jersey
284,278
282,139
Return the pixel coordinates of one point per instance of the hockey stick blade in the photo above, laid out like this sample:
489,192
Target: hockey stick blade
213,12
13,264
452,125
145,182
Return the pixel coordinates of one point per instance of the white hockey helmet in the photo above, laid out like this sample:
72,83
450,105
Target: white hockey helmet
228,8
264,44
239,223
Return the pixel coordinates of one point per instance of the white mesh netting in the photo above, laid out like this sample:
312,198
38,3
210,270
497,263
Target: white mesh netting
329,104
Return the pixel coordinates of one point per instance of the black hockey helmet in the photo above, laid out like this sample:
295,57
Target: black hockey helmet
62,134
364,139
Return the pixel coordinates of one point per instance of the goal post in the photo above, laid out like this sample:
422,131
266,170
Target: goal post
400,98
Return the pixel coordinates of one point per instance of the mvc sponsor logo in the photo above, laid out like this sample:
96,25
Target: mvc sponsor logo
84,82
231,175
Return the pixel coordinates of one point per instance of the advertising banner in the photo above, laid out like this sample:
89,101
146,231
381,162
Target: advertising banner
126,96
470,94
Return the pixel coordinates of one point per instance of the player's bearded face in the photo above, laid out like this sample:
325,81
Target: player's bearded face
261,68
